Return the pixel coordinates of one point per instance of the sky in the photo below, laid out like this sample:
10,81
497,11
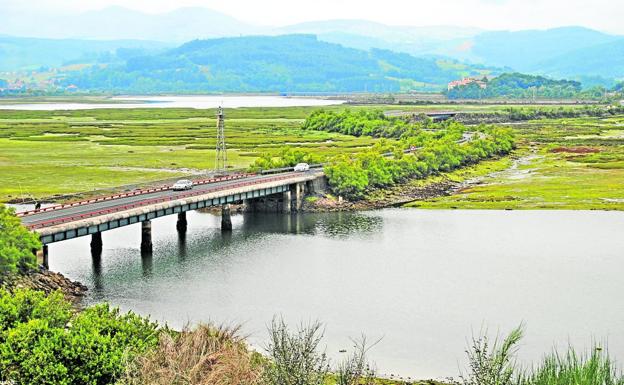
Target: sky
603,15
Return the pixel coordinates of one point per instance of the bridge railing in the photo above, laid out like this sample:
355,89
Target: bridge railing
76,217
128,194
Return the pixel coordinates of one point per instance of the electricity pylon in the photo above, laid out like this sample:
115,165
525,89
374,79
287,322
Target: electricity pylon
221,155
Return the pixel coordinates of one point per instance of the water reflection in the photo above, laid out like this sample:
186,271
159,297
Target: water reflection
182,250
147,263
339,225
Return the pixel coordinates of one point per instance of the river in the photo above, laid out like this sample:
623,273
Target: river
422,281
198,102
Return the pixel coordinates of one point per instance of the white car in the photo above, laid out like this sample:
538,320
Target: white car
182,184
301,167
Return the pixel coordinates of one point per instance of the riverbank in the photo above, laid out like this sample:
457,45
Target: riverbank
46,281
441,185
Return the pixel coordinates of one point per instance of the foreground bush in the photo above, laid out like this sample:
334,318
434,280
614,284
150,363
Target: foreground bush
203,356
42,341
16,244
495,364
595,368
295,355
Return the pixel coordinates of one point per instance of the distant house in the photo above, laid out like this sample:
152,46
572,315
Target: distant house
466,81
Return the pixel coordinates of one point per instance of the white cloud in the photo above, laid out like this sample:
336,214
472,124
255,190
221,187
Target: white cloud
603,15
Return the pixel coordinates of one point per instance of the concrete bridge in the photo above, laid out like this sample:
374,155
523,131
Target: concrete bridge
278,193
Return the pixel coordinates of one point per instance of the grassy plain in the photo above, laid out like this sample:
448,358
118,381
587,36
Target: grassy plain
561,164
43,153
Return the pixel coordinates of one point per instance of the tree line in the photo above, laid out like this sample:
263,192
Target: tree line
523,86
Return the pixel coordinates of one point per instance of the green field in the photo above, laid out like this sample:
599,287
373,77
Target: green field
43,153
561,164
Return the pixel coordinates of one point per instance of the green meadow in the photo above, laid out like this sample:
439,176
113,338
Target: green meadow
561,164
574,163
43,153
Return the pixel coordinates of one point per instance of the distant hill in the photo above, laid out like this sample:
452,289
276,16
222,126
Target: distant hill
271,63
569,51
524,50
18,53
363,34
603,60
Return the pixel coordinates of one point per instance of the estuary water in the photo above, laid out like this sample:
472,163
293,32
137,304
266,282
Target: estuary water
420,281
199,102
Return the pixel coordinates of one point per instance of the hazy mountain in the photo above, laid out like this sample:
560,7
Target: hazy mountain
603,60
114,23
570,51
18,53
363,34
270,63
523,50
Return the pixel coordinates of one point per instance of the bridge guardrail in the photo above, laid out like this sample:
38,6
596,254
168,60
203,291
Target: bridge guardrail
128,194
72,218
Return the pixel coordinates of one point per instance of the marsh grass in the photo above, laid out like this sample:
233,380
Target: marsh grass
495,364
205,355
572,368
492,362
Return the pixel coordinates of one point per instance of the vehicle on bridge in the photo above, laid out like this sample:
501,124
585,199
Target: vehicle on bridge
302,167
182,184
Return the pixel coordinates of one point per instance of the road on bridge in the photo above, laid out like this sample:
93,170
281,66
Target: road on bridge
40,218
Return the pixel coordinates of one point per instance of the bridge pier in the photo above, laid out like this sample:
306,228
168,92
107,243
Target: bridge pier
226,218
96,245
182,224
286,202
299,195
146,237
42,256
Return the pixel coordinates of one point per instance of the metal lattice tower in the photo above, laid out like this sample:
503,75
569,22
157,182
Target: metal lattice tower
221,155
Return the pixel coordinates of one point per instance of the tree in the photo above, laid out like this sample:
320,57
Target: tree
16,244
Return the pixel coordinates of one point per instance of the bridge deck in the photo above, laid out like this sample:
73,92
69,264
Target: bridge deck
44,222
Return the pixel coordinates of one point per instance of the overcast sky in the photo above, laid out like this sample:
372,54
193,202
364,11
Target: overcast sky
604,15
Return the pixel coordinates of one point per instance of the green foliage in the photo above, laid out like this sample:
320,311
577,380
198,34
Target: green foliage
43,342
363,122
495,364
346,177
519,86
295,356
287,157
492,364
16,243
442,147
597,368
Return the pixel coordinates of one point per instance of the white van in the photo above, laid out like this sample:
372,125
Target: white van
302,167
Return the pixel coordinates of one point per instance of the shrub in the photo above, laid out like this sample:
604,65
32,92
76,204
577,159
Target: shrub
16,243
355,369
43,342
295,358
492,364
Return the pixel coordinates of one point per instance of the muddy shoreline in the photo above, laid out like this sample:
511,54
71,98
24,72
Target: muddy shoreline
46,281
384,198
